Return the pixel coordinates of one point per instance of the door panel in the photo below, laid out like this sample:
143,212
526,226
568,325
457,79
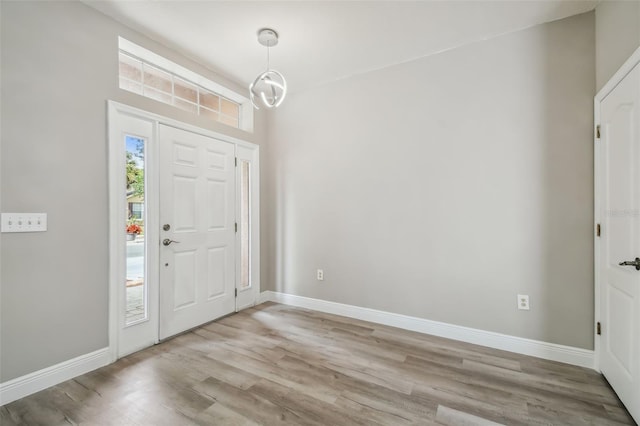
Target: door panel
184,279
184,204
620,213
216,196
621,337
217,259
197,197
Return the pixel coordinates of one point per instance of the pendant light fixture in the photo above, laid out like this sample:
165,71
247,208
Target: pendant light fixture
270,87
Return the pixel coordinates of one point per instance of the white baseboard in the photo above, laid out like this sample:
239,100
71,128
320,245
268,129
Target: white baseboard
50,376
550,351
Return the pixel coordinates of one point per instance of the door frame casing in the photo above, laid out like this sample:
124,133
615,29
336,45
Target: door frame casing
622,72
116,208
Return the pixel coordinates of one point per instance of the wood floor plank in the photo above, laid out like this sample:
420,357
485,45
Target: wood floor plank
219,414
402,407
248,404
473,406
618,414
279,365
449,416
310,410
416,346
277,374
583,392
557,415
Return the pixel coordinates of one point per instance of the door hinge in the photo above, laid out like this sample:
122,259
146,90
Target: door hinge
236,226
598,230
237,158
598,328
237,294
598,131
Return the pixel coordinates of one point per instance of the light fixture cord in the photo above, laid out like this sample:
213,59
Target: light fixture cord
268,50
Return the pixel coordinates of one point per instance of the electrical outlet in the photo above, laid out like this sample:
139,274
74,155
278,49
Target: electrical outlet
24,222
523,302
320,275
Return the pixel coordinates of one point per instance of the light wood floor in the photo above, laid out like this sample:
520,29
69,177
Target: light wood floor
275,364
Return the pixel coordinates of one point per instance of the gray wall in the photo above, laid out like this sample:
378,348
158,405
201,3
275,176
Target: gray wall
59,66
617,36
443,187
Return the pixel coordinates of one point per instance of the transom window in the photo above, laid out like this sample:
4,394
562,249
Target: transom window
153,80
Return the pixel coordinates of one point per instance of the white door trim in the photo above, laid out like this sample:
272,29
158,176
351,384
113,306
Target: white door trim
117,237
622,72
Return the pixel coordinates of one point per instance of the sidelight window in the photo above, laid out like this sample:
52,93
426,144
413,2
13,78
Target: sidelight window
135,284
245,224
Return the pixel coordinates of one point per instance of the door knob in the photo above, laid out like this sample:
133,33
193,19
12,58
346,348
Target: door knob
167,241
635,263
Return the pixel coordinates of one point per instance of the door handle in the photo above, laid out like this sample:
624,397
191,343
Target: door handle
167,242
635,263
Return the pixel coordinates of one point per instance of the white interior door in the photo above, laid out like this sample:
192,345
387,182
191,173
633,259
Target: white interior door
619,196
197,229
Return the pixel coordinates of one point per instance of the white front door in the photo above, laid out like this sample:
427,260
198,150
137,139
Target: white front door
197,229
619,194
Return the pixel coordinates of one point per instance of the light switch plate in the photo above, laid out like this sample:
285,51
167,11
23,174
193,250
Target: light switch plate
24,222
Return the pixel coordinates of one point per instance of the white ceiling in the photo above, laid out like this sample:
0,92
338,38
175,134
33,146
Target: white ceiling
322,41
